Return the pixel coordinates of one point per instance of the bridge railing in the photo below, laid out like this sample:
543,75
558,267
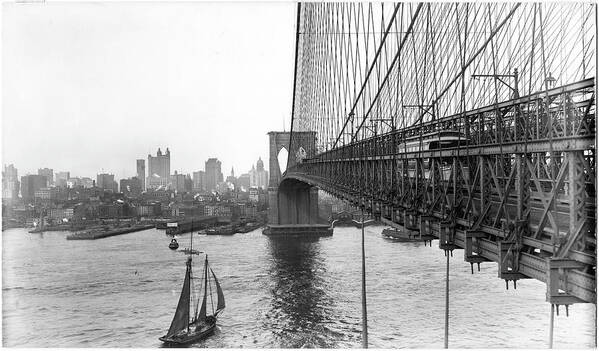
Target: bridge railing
559,113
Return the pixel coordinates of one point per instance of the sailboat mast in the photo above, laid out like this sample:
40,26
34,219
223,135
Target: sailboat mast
190,277
205,276
189,304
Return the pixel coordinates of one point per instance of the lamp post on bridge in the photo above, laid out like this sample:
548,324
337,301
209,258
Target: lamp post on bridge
362,205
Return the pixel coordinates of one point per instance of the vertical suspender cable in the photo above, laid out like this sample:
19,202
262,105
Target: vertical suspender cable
361,146
364,312
447,301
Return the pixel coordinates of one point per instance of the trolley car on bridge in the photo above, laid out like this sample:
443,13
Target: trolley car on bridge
438,140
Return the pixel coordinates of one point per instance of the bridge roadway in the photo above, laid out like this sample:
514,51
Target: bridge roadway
518,190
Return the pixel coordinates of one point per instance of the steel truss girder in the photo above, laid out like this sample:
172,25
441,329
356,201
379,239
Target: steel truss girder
531,199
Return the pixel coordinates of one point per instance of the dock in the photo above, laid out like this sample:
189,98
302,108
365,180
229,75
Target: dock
298,230
191,225
99,234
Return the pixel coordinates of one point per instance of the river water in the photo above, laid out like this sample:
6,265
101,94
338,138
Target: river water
122,292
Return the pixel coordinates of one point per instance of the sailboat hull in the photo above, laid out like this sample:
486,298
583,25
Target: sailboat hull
190,337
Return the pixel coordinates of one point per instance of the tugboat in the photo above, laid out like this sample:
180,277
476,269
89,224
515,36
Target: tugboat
173,245
187,326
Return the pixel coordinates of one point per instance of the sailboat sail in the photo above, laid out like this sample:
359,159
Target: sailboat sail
220,304
202,315
181,318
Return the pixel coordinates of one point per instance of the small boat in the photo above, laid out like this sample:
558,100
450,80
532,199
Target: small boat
404,236
173,245
189,251
407,236
224,230
188,326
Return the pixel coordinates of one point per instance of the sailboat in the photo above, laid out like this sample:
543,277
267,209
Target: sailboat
188,326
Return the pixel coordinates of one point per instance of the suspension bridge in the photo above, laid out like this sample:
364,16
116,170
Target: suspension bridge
472,123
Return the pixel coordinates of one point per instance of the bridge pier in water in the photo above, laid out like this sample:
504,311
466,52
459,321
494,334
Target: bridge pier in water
293,204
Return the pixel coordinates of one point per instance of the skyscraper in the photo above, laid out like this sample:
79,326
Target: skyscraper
177,182
231,179
199,181
188,183
30,184
244,181
48,173
213,173
106,181
159,170
141,173
61,178
258,176
10,183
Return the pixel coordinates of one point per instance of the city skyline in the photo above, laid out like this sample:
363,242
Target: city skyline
56,174
128,86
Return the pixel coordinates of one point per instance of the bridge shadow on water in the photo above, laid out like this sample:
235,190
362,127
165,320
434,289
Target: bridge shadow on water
301,311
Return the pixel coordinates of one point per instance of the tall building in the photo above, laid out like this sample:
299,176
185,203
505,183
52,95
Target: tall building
213,173
231,179
61,178
177,182
199,181
141,173
106,181
48,173
10,183
87,182
244,181
73,182
188,184
30,184
159,170
259,176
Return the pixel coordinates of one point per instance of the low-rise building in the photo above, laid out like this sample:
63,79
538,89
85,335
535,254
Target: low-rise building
148,210
247,210
180,210
110,210
46,194
254,195
60,214
131,187
156,195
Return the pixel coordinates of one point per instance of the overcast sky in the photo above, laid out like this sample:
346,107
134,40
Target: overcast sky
91,87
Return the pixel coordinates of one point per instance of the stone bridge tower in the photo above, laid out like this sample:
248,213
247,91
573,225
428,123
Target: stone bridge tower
297,204
304,145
